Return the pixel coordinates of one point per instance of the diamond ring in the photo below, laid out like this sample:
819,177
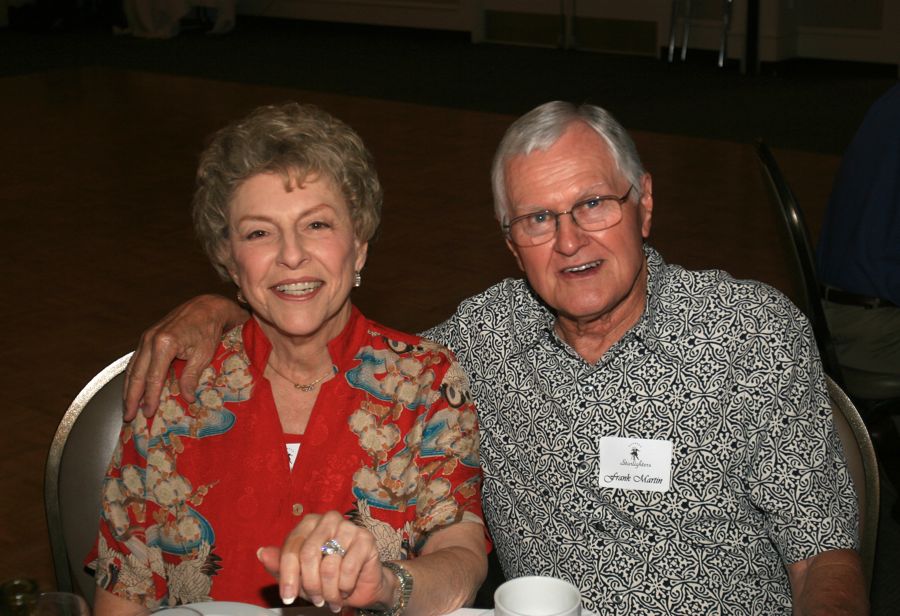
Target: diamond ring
332,547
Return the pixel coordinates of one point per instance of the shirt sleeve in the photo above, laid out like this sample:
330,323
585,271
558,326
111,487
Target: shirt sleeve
123,562
798,475
474,322
449,333
447,458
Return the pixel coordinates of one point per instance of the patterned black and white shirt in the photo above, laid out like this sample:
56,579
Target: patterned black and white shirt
727,370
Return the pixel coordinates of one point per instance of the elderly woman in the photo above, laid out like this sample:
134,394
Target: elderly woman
323,448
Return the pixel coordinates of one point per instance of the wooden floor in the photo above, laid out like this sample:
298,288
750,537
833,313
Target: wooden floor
97,169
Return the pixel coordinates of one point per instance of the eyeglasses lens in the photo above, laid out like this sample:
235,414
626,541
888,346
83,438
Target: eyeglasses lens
541,227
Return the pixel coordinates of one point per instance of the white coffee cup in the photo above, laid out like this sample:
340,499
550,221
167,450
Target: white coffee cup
537,596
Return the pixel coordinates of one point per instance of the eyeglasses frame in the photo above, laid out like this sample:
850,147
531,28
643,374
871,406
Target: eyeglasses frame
556,215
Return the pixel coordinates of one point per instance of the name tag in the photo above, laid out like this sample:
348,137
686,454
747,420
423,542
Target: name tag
635,464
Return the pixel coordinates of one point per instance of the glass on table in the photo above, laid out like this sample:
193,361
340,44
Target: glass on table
17,596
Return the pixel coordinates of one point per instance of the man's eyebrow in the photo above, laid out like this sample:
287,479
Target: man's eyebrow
599,189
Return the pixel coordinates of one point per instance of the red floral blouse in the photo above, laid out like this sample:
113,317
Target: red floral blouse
191,494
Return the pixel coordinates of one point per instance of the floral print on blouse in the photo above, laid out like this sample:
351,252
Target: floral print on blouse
191,494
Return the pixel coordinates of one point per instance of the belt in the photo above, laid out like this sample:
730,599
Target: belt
852,299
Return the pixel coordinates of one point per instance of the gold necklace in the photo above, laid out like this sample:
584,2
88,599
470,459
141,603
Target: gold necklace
301,386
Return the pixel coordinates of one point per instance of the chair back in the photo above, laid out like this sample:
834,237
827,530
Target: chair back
863,468
803,259
78,459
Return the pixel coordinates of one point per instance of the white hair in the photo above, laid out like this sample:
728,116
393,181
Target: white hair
541,127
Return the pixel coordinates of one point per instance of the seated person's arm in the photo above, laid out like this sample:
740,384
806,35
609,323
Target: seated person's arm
454,559
828,583
446,575
190,332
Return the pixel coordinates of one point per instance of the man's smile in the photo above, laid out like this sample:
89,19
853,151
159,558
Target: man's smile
583,267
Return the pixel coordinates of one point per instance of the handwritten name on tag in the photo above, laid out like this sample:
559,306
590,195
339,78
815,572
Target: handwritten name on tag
635,464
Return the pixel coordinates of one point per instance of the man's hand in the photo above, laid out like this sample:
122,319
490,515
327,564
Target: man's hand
830,583
190,332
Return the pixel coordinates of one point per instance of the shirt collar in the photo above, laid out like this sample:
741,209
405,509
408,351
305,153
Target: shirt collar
645,329
342,347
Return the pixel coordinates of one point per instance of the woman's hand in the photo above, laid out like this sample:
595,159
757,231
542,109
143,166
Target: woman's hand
190,332
354,579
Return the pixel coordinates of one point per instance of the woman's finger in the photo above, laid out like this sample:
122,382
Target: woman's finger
270,557
311,556
339,571
289,563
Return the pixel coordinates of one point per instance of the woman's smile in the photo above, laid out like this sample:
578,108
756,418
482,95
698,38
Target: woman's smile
298,289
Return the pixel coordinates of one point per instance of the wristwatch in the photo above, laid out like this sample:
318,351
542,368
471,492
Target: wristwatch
404,587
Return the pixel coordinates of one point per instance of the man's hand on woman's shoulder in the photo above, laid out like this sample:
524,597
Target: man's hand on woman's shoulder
190,332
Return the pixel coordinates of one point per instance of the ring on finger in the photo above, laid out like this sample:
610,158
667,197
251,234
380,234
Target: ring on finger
332,547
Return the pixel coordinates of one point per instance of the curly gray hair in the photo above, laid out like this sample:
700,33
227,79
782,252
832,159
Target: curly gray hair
294,141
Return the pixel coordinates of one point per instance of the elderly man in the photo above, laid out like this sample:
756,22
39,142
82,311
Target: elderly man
659,437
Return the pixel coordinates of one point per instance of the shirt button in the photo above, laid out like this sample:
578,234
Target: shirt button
617,599
297,509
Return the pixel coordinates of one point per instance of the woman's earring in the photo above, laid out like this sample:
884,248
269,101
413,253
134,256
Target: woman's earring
357,278
240,297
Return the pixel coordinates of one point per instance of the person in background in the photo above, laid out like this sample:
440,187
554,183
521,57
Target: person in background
859,247
660,437
330,451
858,258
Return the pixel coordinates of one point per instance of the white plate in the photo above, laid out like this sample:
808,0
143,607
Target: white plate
233,608
229,608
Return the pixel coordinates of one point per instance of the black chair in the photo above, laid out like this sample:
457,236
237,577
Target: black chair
804,265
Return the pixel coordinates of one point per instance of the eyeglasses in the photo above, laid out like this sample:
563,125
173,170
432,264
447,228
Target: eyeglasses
593,214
